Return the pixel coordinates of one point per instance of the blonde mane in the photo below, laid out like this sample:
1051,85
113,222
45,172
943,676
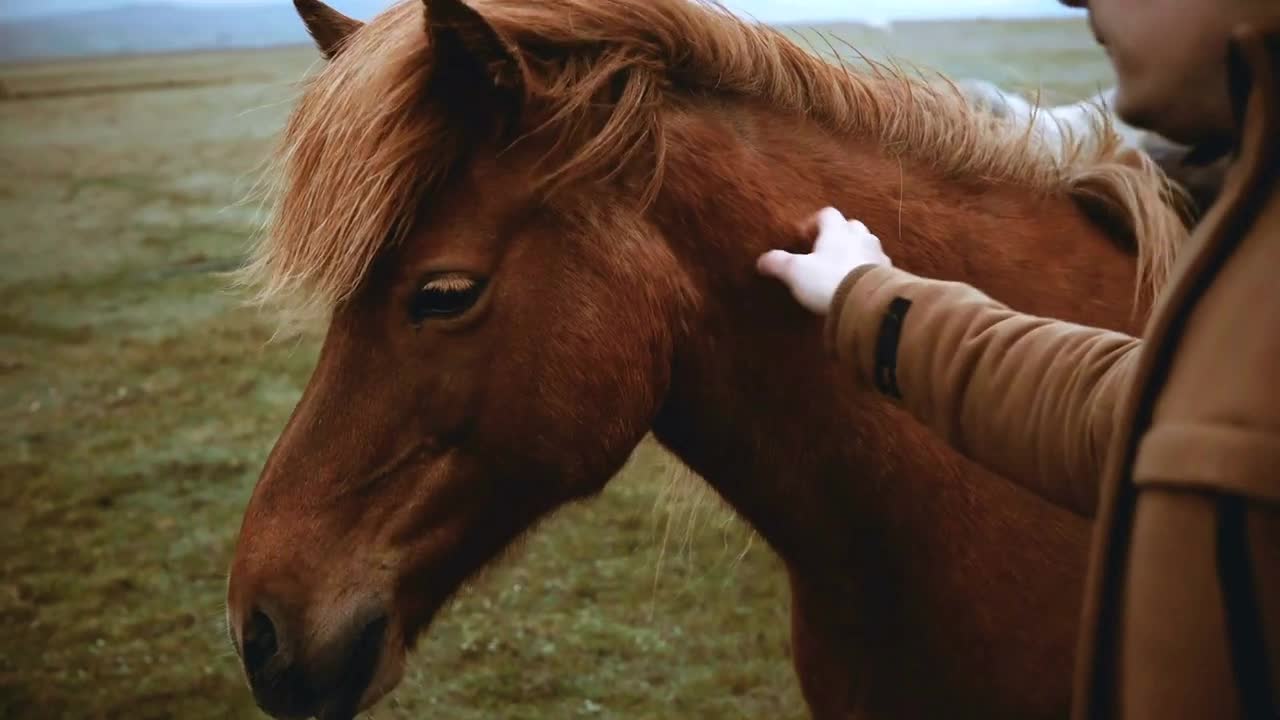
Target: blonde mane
364,145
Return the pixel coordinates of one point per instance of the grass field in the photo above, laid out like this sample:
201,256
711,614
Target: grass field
139,398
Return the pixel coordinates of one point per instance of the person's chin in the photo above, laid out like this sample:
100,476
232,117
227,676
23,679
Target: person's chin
1136,109
1122,103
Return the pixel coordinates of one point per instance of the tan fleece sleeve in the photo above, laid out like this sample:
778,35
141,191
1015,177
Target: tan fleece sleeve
1033,399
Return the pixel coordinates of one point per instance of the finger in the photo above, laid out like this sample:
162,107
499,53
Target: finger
776,263
831,224
810,227
829,218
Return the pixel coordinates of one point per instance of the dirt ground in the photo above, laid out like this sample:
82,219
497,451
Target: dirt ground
139,398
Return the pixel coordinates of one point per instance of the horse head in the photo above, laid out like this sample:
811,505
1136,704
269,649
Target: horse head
494,350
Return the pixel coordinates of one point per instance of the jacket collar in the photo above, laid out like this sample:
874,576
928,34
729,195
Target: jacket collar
1253,77
1253,74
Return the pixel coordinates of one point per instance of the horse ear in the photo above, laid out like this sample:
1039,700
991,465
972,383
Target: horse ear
327,26
468,50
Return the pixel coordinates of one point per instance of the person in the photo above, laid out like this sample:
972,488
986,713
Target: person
1171,442
1201,178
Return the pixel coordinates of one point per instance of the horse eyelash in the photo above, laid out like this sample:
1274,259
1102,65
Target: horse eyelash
449,283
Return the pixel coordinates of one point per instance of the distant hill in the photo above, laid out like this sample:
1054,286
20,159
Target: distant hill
39,29
157,27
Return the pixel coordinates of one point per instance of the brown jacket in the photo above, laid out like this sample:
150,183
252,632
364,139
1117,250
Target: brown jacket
1173,439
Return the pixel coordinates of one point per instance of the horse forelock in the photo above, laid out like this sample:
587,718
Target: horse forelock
362,147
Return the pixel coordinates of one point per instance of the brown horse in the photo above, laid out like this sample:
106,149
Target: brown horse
534,226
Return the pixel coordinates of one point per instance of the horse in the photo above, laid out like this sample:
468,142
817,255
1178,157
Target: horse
1200,177
532,230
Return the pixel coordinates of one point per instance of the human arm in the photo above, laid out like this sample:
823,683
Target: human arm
1031,398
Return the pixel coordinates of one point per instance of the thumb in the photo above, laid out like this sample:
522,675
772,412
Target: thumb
776,263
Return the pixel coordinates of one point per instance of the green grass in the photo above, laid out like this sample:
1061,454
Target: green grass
139,398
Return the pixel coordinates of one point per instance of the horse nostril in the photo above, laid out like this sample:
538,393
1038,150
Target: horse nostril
329,676
280,685
260,643
359,667
368,644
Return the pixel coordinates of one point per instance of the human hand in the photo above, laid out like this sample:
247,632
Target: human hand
840,246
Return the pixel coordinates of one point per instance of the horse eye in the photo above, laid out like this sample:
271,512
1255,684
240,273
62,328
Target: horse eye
444,297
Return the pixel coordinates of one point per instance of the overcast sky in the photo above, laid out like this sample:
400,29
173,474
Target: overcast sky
766,10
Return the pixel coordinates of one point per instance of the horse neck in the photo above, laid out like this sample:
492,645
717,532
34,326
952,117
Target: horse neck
755,406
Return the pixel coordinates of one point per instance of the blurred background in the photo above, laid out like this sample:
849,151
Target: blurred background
139,396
